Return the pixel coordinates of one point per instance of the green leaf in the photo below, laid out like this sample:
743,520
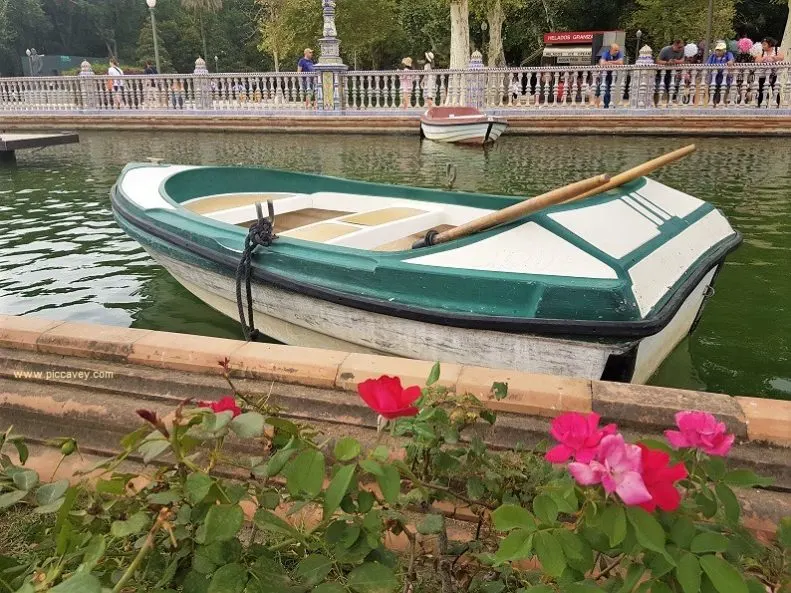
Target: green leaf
648,531
197,487
499,390
745,478
93,553
657,444
52,507
372,577
231,578
132,526
613,523
755,586
729,503
365,501
707,502
116,486
708,542
49,493
724,577
21,450
550,553
195,582
248,425
537,589
682,532
715,468
25,479
278,461
11,498
268,521
372,467
545,508
661,565
511,516
784,533
80,582
577,551
660,587
516,546
337,489
688,573
581,588
306,473
329,588
431,524
433,376
223,522
153,447
166,497
390,483
347,449
313,569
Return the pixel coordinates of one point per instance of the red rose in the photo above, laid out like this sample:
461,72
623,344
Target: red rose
386,397
660,478
226,404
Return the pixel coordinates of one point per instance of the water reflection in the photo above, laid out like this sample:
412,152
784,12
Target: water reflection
62,255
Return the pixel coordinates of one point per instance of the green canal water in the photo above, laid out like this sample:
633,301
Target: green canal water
63,257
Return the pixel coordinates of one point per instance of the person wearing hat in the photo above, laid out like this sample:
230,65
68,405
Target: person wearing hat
720,56
429,80
407,82
305,65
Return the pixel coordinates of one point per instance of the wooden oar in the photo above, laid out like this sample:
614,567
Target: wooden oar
515,211
635,172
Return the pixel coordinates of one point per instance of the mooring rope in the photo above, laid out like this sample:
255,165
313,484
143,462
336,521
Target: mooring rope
262,232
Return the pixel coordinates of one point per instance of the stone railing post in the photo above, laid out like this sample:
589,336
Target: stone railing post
643,81
476,81
202,86
88,93
330,67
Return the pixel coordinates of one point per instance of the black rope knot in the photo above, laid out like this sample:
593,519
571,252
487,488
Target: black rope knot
262,232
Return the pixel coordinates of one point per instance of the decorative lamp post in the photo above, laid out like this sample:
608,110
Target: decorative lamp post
639,36
330,66
29,63
216,61
152,4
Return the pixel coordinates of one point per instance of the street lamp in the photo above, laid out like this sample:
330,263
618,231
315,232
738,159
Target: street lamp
151,6
639,36
29,62
216,68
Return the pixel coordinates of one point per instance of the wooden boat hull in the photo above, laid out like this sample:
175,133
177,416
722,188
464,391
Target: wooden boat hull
464,133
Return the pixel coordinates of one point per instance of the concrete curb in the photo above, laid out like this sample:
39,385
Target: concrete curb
544,121
640,408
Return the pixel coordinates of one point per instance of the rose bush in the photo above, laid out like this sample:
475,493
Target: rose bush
287,510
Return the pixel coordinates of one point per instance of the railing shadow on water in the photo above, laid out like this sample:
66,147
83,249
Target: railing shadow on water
737,87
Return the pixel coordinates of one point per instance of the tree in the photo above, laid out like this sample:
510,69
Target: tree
362,24
287,27
785,45
459,33
201,8
19,22
426,26
665,20
145,48
495,12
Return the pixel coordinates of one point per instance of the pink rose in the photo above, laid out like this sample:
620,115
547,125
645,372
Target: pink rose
579,436
702,431
388,398
617,467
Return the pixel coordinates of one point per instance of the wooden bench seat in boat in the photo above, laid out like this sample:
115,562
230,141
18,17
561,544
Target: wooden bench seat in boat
218,203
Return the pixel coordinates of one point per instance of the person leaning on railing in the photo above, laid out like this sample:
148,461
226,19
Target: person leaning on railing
720,56
670,55
770,55
613,56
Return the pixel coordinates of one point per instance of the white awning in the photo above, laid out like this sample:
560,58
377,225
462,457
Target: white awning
569,51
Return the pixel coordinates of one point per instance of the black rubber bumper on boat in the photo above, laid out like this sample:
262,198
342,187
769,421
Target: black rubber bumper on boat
550,327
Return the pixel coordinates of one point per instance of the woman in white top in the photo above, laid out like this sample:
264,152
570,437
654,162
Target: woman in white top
429,81
118,83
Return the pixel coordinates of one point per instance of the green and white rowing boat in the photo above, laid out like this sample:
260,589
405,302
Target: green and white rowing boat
601,288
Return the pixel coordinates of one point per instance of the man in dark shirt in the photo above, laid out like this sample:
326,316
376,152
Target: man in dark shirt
305,65
150,68
671,55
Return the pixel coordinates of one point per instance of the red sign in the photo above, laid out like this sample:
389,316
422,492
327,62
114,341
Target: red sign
569,37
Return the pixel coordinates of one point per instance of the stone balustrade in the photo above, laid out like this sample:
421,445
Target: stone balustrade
643,86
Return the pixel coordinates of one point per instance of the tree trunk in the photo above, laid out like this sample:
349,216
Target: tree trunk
277,60
785,46
496,17
459,34
203,36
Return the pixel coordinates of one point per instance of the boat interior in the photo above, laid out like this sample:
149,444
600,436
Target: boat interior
364,222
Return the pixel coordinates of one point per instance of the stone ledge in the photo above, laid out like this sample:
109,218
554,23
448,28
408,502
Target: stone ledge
637,407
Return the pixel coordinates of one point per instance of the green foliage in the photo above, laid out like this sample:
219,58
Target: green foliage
326,508
664,20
